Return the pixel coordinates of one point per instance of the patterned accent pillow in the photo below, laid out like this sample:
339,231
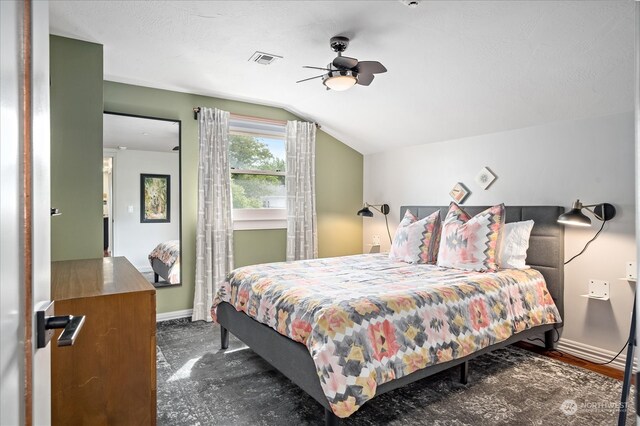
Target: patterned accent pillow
408,219
417,242
471,243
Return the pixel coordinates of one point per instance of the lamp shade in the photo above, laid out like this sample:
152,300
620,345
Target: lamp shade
365,212
340,80
574,217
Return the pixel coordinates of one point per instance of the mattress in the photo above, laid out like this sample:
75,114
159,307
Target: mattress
366,319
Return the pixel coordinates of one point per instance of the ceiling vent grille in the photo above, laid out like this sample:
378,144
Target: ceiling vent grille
410,3
263,58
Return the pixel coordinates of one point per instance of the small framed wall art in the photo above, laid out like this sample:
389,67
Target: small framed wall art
459,193
485,178
155,198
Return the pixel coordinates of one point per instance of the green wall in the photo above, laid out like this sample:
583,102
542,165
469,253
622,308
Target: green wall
338,184
261,246
76,148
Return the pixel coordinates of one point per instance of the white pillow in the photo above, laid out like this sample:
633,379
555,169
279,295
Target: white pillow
515,242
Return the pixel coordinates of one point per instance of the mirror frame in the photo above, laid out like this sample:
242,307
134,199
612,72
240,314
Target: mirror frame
172,120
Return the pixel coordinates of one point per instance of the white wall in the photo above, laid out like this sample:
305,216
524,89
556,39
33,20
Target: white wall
133,239
553,164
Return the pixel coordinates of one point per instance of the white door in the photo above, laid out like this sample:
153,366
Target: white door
25,385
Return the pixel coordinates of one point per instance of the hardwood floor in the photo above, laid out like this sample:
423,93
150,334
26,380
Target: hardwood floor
574,360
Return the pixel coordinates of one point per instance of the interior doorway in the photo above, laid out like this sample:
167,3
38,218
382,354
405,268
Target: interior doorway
107,203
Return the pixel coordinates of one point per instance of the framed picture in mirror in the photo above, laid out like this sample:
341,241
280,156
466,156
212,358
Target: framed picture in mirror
155,198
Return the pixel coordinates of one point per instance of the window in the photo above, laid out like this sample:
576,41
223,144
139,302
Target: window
257,159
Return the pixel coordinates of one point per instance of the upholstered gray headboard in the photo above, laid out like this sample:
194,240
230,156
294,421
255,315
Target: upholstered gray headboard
546,245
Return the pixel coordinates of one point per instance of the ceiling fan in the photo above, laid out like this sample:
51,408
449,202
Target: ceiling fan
344,72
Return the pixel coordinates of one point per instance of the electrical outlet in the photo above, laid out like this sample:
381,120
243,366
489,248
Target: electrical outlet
375,240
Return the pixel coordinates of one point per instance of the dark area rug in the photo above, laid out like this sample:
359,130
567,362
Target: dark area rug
198,384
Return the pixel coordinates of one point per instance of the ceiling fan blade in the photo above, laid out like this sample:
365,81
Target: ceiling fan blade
370,67
310,78
316,68
344,62
365,79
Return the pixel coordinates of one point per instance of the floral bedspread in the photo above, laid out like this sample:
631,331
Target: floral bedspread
367,320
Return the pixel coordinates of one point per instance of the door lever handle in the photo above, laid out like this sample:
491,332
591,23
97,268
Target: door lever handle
46,323
69,323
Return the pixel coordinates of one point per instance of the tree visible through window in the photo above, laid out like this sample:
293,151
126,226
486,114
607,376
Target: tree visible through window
257,171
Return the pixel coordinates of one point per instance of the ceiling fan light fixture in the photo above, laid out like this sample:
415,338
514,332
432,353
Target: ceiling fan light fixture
340,80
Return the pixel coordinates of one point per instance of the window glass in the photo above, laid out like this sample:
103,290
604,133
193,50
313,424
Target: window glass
248,152
257,159
250,191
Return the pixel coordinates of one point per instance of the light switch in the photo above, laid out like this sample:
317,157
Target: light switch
130,209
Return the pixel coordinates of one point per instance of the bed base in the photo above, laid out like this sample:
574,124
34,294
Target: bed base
224,338
464,372
293,360
159,270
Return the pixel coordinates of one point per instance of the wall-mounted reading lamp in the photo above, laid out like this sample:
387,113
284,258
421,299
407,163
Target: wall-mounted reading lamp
574,217
382,208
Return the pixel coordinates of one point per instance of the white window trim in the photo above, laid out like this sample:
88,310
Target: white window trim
249,219
257,172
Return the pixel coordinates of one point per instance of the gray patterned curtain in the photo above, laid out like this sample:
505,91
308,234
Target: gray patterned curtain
214,229
302,226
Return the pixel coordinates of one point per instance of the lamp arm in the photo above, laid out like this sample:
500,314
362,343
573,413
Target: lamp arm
380,208
375,207
606,211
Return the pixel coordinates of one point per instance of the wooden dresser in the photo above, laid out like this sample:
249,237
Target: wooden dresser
108,377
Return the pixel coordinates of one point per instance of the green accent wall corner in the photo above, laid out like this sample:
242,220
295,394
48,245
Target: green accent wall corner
76,148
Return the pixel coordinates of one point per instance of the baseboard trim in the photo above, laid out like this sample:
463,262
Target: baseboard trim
166,316
593,353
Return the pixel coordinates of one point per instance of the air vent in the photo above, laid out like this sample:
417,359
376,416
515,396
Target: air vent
410,3
263,58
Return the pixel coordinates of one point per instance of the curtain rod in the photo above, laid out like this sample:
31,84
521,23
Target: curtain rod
196,110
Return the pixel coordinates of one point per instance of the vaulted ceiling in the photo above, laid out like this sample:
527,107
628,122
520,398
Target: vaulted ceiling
456,68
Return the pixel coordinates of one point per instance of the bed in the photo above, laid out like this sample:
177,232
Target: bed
391,359
165,262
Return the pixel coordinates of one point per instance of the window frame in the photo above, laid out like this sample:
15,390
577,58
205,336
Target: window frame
257,218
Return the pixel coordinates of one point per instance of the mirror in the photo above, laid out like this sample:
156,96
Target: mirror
141,194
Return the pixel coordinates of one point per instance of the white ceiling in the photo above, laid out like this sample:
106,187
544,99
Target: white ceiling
456,68
142,134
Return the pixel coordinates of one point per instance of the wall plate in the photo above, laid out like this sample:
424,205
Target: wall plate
632,271
598,289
